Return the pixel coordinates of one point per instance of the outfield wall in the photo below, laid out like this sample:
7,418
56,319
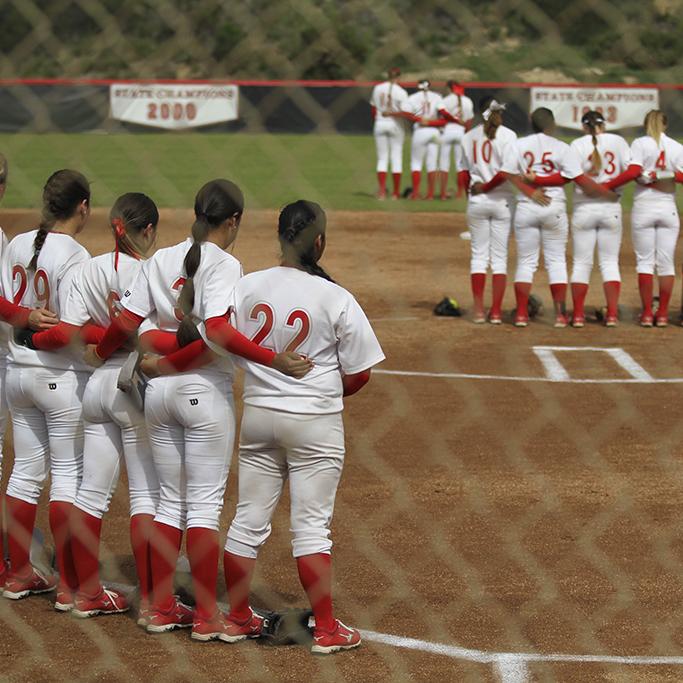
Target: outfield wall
264,106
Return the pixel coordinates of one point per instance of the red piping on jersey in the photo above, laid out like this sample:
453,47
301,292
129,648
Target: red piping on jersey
159,341
191,357
221,332
355,382
631,173
14,314
122,327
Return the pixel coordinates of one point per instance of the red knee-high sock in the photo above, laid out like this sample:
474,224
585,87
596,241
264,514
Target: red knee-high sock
2,534
522,292
238,574
478,283
579,292
612,289
559,294
443,175
417,177
396,177
431,184
645,285
315,574
165,551
666,288
86,531
499,284
140,539
59,513
382,181
202,551
21,518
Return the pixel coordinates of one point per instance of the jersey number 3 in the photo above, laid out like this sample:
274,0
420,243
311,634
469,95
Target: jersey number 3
41,286
297,319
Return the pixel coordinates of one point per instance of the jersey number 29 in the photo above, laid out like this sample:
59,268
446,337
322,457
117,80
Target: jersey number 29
296,319
41,286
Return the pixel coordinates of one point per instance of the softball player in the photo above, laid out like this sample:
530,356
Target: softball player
387,99
654,219
45,390
190,415
458,110
294,430
490,205
603,156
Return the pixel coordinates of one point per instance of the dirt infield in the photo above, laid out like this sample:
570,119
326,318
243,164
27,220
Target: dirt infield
523,505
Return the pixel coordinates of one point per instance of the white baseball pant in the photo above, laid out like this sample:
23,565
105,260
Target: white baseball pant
46,409
596,223
113,425
4,410
541,226
424,148
274,446
451,140
191,424
389,136
654,231
489,223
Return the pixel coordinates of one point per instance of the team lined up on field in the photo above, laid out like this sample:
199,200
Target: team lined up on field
302,339
518,183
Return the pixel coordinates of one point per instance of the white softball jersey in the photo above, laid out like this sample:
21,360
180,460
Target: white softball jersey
423,103
59,261
388,97
462,107
286,309
483,158
544,155
664,159
5,328
159,280
615,155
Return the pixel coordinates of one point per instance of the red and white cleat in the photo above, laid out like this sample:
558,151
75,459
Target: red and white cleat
381,196
181,616
521,320
223,628
646,320
661,321
611,321
479,317
107,602
560,321
64,602
17,587
143,614
495,319
341,637
578,321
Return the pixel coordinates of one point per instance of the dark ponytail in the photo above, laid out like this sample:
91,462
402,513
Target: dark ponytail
592,120
131,214
63,193
215,203
299,225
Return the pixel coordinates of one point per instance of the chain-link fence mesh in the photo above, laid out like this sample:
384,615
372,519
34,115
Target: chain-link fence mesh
509,508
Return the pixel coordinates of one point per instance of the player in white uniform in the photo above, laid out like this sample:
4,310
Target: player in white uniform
293,430
45,389
190,415
458,110
489,207
654,218
387,99
595,221
546,224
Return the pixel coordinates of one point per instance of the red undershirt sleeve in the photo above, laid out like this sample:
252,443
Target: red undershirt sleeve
56,337
15,315
190,357
528,190
550,180
631,173
219,331
355,382
159,341
121,328
592,188
91,333
679,177
492,184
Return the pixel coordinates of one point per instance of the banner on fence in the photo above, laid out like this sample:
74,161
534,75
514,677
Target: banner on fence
621,107
175,105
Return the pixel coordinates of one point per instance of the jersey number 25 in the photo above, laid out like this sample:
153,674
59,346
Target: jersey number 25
296,319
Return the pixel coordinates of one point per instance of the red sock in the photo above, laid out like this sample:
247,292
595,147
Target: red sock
444,183
579,291
522,291
431,184
666,288
315,574
21,518
202,551
140,537
85,545
478,283
416,183
499,284
59,513
165,551
238,572
612,289
382,181
559,294
397,184
645,285
2,535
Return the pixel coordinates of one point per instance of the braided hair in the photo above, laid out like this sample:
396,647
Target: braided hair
594,120
299,225
64,191
131,214
215,203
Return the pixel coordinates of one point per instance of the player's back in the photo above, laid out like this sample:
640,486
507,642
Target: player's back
460,106
614,154
662,158
388,97
483,157
286,309
424,104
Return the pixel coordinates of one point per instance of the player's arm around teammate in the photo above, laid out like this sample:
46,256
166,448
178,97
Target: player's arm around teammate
45,389
293,430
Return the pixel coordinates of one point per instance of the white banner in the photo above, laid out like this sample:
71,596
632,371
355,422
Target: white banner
175,105
621,107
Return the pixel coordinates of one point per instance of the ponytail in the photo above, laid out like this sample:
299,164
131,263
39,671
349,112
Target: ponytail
492,124
129,217
655,124
594,120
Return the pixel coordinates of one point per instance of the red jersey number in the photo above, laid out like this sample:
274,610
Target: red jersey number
19,272
486,151
41,285
546,161
112,305
177,312
296,319
661,161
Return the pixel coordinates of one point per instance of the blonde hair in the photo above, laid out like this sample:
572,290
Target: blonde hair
655,124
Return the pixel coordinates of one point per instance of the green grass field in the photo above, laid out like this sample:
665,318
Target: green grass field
335,170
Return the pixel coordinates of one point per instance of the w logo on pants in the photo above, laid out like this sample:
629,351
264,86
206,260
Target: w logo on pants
194,401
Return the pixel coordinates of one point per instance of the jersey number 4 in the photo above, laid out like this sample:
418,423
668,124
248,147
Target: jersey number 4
298,320
41,286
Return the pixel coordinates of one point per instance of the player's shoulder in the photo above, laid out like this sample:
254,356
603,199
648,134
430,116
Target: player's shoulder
63,247
473,133
671,143
23,238
506,133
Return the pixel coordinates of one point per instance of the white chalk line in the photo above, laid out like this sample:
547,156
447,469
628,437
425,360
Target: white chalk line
394,319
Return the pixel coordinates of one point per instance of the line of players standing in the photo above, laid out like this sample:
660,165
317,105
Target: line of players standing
492,162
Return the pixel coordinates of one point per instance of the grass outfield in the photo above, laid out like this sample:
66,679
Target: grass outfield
335,170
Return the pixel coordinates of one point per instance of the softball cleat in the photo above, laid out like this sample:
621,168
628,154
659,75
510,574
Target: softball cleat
180,616
341,637
107,602
35,583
